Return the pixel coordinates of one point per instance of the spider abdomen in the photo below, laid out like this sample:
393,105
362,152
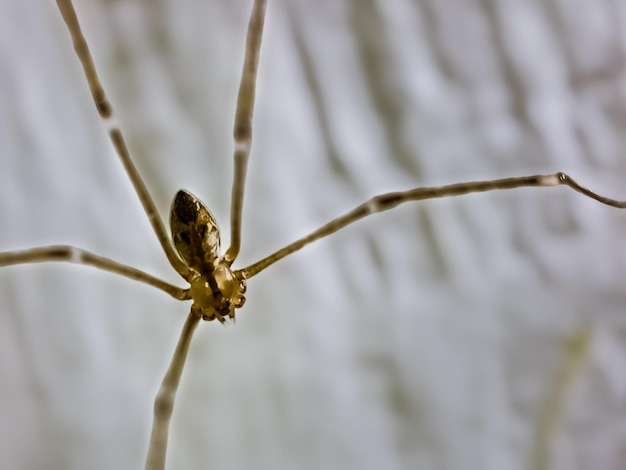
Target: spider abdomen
195,232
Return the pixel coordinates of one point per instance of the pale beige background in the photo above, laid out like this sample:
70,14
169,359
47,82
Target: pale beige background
423,338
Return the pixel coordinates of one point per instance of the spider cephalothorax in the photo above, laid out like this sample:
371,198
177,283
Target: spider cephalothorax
216,290
218,293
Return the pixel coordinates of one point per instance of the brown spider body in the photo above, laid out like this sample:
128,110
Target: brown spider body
216,290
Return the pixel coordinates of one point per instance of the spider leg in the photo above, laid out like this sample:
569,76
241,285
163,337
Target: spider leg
575,357
243,125
106,114
388,201
76,255
164,402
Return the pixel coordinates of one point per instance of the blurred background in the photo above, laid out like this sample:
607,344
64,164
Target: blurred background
432,336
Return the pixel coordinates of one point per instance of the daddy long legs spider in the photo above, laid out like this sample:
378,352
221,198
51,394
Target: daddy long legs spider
327,314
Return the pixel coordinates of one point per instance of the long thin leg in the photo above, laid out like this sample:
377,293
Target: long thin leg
388,201
164,402
72,254
106,113
552,414
243,125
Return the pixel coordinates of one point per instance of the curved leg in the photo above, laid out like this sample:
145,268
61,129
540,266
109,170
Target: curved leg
72,254
106,114
388,201
164,402
243,125
550,418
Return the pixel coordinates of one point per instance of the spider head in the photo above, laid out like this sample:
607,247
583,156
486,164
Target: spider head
217,294
195,232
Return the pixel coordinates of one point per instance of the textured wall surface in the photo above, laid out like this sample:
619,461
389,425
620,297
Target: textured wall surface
427,337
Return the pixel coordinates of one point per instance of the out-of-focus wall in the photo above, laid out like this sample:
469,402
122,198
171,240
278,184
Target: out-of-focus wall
428,337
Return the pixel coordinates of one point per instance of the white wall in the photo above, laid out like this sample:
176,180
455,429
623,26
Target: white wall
426,337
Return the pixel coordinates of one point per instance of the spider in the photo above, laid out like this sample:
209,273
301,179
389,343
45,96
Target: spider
216,289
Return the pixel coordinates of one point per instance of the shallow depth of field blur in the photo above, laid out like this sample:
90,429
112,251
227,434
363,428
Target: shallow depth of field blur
428,337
